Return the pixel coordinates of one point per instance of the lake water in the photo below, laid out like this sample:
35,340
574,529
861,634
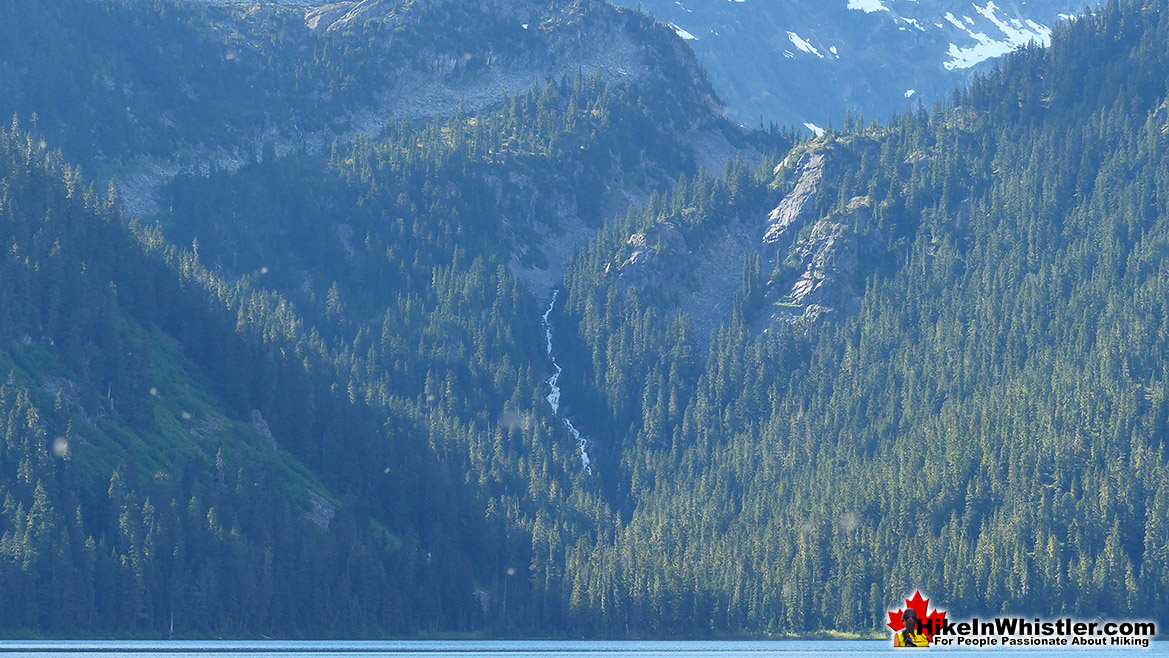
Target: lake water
507,649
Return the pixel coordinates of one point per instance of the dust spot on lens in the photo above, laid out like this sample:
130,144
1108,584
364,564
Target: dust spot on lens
849,521
511,420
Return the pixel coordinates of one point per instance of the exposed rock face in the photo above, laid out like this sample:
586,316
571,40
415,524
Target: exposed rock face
509,45
702,281
436,57
811,260
830,250
657,257
814,259
440,56
798,206
555,228
556,236
322,511
261,427
336,14
824,265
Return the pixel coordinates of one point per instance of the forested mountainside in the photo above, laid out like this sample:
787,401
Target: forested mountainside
303,394
141,481
810,62
290,378
945,367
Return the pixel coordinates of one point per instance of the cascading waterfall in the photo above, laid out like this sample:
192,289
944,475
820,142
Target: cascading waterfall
554,389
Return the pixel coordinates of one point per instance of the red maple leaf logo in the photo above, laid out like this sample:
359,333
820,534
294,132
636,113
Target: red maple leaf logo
929,624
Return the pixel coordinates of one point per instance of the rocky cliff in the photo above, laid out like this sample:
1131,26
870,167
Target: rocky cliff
810,247
813,254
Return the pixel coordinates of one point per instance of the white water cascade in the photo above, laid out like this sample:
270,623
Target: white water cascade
554,389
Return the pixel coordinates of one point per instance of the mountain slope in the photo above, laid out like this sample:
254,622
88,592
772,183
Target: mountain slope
186,86
812,63
927,354
138,454
379,389
985,421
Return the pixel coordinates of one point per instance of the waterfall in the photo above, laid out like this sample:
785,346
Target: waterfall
554,388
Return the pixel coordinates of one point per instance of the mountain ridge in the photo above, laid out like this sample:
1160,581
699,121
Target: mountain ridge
812,64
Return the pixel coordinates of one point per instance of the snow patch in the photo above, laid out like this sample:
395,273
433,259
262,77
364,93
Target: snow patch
955,22
867,6
683,33
910,92
1016,34
914,23
816,130
1040,28
803,45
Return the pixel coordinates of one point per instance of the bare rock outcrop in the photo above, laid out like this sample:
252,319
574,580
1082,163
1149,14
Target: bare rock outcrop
261,426
656,257
814,258
818,274
322,511
798,206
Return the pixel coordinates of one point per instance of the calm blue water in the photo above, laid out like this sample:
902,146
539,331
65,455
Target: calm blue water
506,649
